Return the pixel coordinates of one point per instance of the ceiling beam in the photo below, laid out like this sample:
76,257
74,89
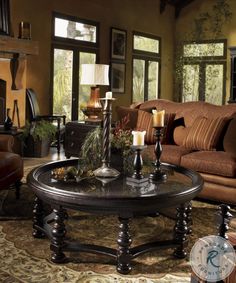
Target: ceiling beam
178,4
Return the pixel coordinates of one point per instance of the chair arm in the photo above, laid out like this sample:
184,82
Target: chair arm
6,143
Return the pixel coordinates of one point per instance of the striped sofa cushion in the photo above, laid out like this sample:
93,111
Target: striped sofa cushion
145,123
205,133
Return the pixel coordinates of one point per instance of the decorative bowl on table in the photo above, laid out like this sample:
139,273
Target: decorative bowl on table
71,173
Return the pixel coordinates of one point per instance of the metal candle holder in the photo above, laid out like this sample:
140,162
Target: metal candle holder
105,171
158,174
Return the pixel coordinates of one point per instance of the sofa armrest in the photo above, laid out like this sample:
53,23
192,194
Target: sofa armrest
6,143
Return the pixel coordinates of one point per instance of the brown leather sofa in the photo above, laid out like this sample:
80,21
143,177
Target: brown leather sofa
11,165
217,165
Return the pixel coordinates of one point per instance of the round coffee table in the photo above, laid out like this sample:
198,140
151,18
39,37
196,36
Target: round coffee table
118,197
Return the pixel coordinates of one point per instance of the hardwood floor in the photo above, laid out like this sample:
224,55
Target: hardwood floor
53,156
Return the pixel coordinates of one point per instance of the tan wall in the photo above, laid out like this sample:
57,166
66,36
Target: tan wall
186,21
11,95
138,15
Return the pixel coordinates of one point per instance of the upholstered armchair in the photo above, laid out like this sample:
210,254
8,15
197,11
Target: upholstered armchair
11,165
34,114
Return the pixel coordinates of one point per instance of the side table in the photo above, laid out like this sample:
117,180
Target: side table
75,134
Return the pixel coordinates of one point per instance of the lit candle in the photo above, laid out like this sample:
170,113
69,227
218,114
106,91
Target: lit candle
138,137
158,118
108,95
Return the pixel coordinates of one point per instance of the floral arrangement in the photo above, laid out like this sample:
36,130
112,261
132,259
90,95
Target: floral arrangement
121,137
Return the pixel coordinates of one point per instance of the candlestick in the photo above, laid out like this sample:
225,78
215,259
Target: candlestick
158,174
138,137
158,118
105,171
108,95
137,176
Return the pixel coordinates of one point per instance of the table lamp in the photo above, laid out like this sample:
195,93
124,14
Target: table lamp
94,75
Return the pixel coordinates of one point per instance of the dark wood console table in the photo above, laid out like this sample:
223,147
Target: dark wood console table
74,136
117,197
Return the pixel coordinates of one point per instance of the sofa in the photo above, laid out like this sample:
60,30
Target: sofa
198,135
11,165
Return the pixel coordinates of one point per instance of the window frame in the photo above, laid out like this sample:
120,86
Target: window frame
147,57
76,46
203,61
71,40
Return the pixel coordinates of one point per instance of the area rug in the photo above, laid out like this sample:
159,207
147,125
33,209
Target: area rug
25,259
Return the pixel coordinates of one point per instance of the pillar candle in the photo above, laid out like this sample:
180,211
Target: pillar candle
138,137
108,95
158,118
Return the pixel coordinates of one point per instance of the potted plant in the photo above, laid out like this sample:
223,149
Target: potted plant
37,137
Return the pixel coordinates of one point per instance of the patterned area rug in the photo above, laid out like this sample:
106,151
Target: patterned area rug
25,259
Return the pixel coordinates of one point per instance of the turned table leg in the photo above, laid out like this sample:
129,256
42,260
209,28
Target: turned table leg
38,215
124,241
180,232
58,235
189,218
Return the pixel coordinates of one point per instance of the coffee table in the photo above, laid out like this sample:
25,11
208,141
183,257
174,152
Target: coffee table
118,197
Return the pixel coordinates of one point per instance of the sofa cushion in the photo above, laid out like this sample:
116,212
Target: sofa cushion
123,111
205,133
170,153
230,137
145,123
212,162
180,134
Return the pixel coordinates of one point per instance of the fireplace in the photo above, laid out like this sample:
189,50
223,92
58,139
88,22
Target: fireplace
3,91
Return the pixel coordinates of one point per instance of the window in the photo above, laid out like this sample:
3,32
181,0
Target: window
75,42
146,67
204,71
75,30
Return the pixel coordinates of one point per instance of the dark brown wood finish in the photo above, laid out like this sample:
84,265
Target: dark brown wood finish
178,4
112,197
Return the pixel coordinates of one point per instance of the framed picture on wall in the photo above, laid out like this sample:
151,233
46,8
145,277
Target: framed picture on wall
118,77
118,44
4,17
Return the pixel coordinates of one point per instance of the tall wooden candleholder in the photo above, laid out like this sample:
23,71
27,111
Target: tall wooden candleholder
105,171
158,174
137,177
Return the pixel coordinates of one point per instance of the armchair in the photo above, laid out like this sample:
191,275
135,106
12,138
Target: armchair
33,114
11,165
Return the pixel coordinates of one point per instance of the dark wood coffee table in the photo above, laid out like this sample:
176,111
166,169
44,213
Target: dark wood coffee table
112,197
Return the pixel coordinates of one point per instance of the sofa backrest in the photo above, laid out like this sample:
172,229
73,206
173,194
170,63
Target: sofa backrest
189,110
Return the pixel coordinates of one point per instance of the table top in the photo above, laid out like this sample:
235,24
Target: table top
181,186
13,131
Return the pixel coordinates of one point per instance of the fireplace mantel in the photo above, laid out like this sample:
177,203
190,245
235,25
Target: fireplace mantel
11,45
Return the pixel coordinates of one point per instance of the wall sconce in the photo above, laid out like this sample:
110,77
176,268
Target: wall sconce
94,75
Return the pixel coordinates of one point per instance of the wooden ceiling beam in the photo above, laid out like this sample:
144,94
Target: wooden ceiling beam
178,4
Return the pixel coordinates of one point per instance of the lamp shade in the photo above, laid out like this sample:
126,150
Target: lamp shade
94,74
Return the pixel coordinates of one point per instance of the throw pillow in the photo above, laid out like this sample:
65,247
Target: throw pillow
145,123
205,133
123,111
